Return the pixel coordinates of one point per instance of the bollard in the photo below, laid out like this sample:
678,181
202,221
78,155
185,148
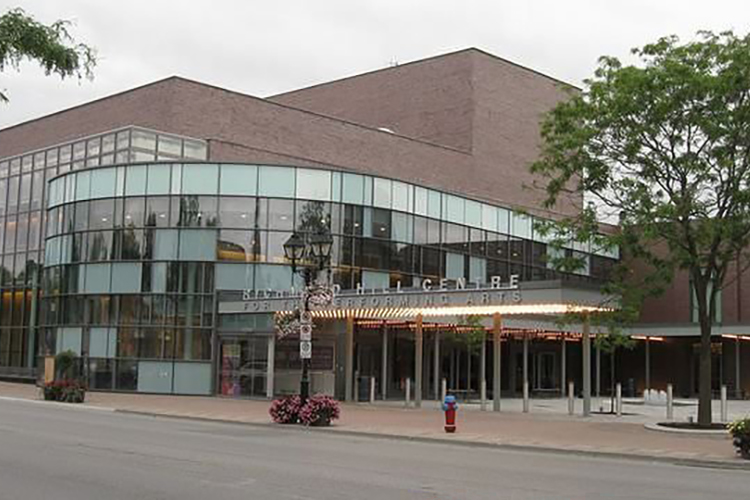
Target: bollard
408,391
670,403
724,403
443,389
618,399
372,390
483,395
526,397
571,398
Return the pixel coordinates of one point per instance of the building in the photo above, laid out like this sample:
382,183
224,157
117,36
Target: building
130,224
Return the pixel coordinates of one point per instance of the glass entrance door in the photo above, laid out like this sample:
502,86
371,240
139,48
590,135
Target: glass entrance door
243,367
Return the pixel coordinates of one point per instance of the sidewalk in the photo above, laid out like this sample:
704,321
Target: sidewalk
597,435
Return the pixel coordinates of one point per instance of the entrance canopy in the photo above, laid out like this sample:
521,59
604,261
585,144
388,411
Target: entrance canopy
531,300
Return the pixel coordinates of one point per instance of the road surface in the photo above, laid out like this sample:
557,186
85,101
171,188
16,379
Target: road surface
61,453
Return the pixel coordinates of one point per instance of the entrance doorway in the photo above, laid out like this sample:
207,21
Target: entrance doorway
243,366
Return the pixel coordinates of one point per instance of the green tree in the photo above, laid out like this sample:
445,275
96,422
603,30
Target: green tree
24,38
664,146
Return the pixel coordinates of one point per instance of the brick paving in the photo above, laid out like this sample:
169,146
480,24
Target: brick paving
557,431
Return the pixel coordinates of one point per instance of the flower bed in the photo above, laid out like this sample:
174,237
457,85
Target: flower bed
66,391
318,410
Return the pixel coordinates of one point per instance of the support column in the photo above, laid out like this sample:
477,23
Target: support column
418,355
648,365
563,367
586,347
384,364
436,365
496,359
270,366
737,373
598,371
349,367
483,362
525,386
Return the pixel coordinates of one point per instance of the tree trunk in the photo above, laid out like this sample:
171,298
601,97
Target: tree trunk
612,382
704,384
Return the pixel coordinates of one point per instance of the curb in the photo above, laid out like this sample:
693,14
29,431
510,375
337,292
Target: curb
692,432
688,462
70,406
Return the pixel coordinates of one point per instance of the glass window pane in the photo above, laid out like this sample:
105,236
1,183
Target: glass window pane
143,139
108,143
234,276
503,221
83,186
170,145
195,211
236,246
401,196
434,204
126,277
312,217
103,182
97,278
36,191
382,193
353,189
101,214
521,226
158,179
420,201
165,244
79,151
200,179
134,212
313,184
100,246
135,180
489,217
273,277
280,214
276,182
453,209
195,150
402,227
198,244
473,213
157,211
238,212
239,180
93,147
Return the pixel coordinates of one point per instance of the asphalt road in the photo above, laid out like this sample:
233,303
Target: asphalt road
48,452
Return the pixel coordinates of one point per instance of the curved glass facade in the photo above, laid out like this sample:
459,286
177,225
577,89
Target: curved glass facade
135,253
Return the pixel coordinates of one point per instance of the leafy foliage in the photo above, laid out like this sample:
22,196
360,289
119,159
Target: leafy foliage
664,148
65,364
740,431
22,37
471,338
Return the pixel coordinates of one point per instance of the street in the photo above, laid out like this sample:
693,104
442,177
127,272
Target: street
64,453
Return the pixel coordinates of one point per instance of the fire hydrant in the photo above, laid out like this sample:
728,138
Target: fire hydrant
450,407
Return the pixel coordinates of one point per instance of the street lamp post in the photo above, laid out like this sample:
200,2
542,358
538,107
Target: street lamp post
314,252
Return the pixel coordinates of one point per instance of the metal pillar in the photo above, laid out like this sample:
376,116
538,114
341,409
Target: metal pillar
526,373
737,373
349,366
384,364
496,359
586,346
563,368
648,364
483,361
598,370
418,356
270,367
436,365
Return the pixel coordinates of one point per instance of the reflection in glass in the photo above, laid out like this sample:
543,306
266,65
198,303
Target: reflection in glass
238,212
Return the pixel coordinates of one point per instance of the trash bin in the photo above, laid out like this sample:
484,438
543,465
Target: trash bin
630,392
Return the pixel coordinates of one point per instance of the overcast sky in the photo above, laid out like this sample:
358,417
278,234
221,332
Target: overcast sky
263,48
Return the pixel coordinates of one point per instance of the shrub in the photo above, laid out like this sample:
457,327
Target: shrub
67,391
65,364
285,410
319,410
740,431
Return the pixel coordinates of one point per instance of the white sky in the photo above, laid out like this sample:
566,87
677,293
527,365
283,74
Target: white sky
263,48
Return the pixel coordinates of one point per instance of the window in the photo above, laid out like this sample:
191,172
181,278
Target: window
157,211
381,223
170,145
135,180
200,179
101,214
158,179
198,244
276,182
280,215
133,212
238,212
382,193
195,211
239,180
143,140
312,217
313,184
236,246
353,188
100,246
